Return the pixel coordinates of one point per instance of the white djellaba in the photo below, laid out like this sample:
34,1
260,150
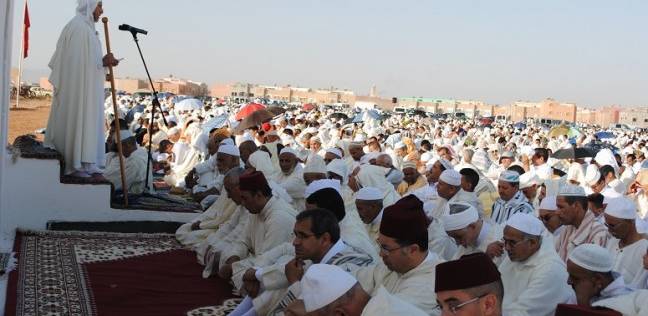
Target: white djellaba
76,123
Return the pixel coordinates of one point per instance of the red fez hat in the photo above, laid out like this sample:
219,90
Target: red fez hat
467,272
266,127
254,181
575,310
405,221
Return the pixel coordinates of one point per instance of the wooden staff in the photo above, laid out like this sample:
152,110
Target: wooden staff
115,110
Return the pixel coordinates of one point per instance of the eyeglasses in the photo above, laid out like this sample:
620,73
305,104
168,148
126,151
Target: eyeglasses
513,243
455,308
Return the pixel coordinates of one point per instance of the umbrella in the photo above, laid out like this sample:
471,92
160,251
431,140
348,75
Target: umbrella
248,109
573,153
189,105
373,114
604,135
308,107
519,125
215,122
563,130
130,116
276,110
254,119
338,116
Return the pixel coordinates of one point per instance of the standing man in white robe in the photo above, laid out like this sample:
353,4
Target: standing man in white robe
75,126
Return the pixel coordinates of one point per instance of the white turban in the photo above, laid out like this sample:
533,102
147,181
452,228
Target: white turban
369,194
335,151
621,207
229,150
322,184
571,190
548,203
339,167
124,134
526,223
322,284
459,216
451,177
315,164
288,150
592,257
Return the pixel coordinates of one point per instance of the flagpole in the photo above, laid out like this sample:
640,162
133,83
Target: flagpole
22,55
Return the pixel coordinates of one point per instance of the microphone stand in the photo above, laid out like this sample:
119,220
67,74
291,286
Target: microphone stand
156,102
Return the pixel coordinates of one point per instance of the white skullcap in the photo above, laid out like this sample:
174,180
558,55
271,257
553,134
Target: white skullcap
526,223
548,203
173,131
369,194
288,150
322,284
509,176
459,216
451,177
272,133
621,207
528,180
408,164
322,184
592,175
399,145
229,150
124,134
335,151
571,190
592,257
315,164
227,141
360,138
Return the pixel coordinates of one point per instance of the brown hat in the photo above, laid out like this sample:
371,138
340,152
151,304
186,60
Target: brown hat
575,310
467,272
254,181
405,221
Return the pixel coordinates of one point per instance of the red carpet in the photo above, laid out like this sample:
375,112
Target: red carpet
83,273
158,284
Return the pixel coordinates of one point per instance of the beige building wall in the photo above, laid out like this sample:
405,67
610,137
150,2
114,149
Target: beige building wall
634,117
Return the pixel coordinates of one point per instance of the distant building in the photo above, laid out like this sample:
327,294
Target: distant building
634,117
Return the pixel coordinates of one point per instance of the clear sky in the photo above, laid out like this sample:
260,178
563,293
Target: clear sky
592,52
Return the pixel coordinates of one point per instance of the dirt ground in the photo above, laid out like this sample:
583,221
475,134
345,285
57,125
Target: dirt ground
30,116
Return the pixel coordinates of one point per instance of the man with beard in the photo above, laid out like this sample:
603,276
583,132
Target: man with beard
291,177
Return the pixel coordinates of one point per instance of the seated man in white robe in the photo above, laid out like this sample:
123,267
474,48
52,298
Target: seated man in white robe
476,291
193,233
627,246
326,195
596,284
511,199
407,267
317,240
329,290
315,169
135,161
534,276
471,233
369,202
450,191
291,177
269,225
205,180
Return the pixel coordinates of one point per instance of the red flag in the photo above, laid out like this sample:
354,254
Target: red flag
26,26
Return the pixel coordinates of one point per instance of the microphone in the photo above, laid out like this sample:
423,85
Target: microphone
126,27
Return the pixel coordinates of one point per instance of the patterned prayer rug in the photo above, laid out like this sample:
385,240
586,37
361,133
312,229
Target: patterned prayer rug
89,273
